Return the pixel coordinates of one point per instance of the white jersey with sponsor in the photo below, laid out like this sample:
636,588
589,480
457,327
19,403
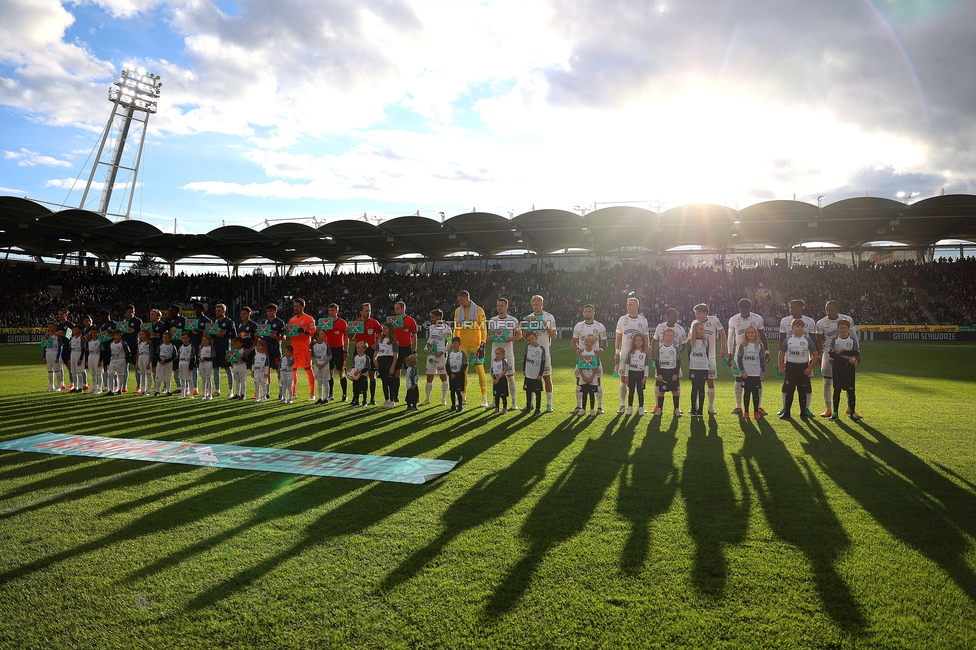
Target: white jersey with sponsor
510,325
668,357
596,328
711,326
386,348
360,362
535,361
321,353
737,329
842,345
438,339
827,328
548,323
799,349
680,336
628,326
456,360
499,368
786,325
752,359
637,361
699,353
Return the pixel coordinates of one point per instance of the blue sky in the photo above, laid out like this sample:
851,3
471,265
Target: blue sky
333,108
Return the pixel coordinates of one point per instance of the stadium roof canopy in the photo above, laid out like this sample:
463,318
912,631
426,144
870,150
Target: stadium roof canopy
849,223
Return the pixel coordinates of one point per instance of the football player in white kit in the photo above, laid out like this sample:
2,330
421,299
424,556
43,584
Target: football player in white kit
627,325
825,332
589,325
680,335
715,335
796,307
503,331
737,333
438,344
546,332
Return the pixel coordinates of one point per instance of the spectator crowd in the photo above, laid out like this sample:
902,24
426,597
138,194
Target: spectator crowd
871,293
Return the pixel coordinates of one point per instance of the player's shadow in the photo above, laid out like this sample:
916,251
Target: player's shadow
798,513
75,420
647,486
958,504
355,515
564,510
233,488
908,498
716,517
490,498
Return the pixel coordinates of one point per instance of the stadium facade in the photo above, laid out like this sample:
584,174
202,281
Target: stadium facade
784,227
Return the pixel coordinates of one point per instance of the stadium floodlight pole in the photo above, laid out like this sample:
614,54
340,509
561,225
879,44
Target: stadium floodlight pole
132,92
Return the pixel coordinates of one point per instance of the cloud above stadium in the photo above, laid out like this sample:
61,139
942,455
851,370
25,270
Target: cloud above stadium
333,108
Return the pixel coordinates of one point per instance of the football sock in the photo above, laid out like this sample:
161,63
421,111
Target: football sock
599,396
372,389
711,398
623,393
482,379
827,385
738,394
311,380
549,398
443,391
342,384
676,398
331,386
513,391
579,396
758,398
851,400
428,389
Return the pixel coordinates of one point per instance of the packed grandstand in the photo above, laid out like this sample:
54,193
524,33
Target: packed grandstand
940,292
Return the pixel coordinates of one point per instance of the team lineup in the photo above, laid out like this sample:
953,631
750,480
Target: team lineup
187,355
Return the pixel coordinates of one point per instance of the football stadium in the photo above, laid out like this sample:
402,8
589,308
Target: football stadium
267,524
738,413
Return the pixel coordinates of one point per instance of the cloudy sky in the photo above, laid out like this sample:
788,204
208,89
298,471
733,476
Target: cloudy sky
333,108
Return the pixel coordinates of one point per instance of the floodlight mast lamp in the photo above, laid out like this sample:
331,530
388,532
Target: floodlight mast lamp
132,93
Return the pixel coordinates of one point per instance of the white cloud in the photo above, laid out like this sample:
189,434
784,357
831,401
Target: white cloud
581,100
76,185
27,158
12,192
56,81
124,8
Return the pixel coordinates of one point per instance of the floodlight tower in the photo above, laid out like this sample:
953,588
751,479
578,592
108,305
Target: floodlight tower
133,94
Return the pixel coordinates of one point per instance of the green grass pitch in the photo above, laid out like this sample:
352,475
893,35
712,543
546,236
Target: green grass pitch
554,531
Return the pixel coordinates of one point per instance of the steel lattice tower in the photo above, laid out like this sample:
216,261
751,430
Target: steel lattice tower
133,94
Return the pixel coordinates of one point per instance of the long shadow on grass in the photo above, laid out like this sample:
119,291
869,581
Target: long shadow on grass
233,488
565,509
958,505
716,518
491,497
359,513
902,506
647,488
797,511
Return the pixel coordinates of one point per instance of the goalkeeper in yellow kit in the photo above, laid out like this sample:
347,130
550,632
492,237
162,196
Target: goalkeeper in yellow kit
470,325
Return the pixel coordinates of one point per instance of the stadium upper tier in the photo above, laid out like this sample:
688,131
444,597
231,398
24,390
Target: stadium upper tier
849,223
